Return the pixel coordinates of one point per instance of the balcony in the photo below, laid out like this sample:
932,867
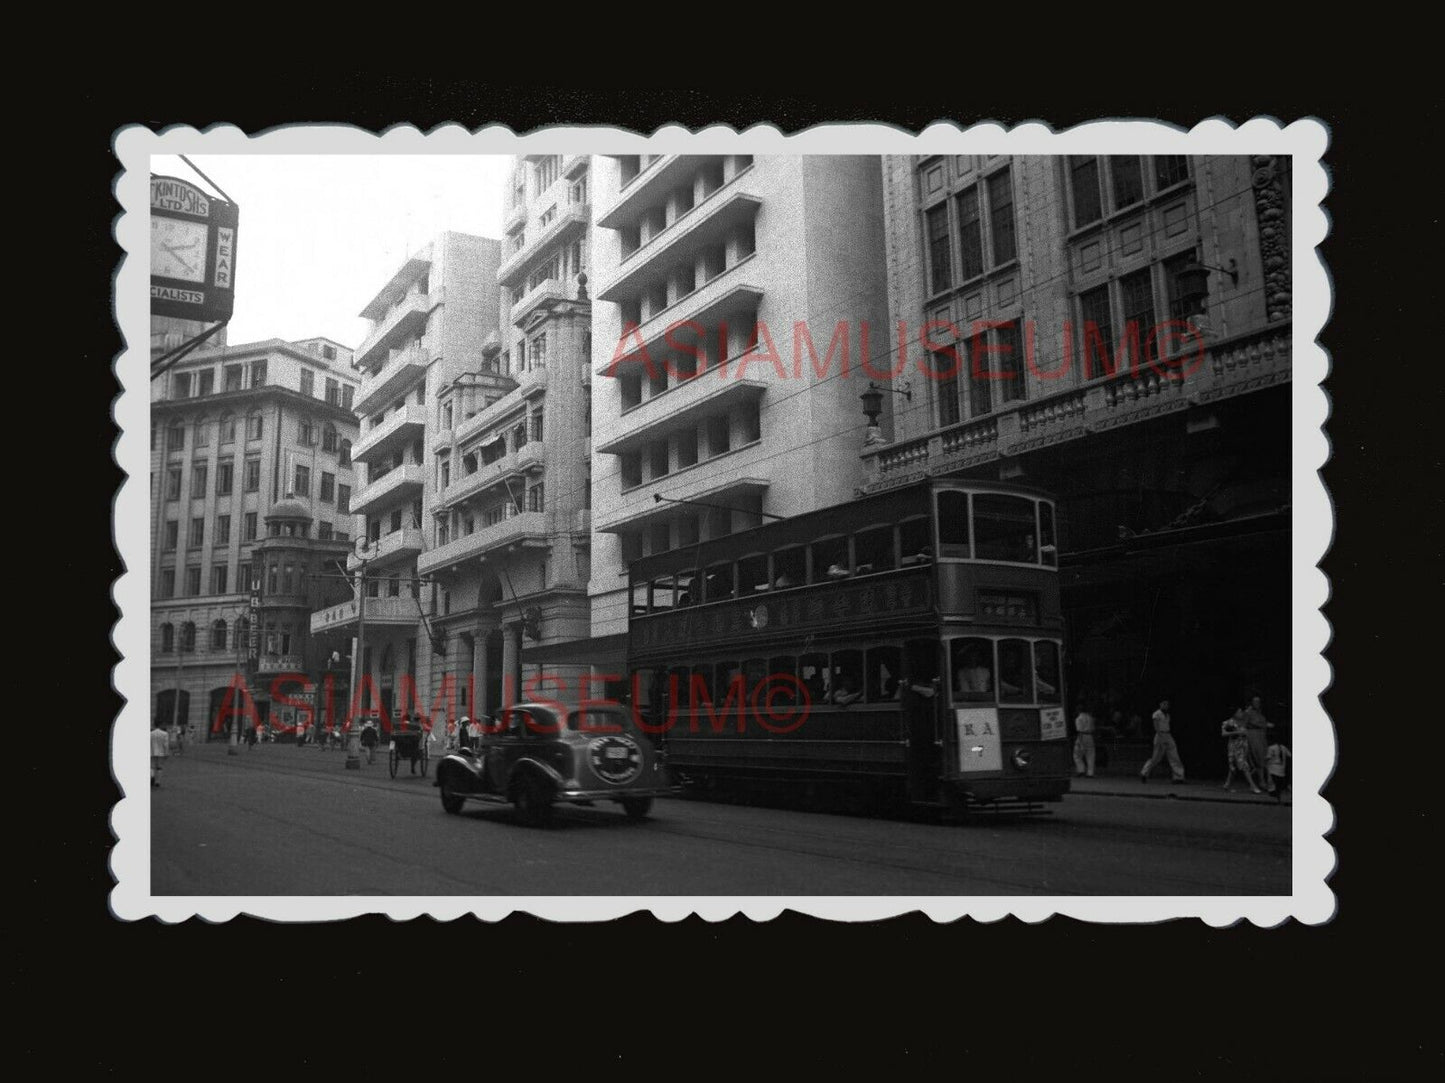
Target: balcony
514,216
723,479
402,369
530,456
406,320
574,164
389,548
408,273
399,612
709,305
571,221
686,403
1230,367
402,482
649,188
525,528
396,431
707,223
548,292
528,383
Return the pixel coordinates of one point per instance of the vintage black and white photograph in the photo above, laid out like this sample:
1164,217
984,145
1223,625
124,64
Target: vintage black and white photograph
855,521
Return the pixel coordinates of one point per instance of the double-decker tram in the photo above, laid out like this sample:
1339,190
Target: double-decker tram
912,639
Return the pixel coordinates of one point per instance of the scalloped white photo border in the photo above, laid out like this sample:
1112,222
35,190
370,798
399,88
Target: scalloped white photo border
1314,746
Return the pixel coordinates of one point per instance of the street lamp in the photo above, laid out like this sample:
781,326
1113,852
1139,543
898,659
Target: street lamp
873,406
1193,281
358,661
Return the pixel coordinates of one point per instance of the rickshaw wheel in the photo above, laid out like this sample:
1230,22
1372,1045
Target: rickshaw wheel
393,760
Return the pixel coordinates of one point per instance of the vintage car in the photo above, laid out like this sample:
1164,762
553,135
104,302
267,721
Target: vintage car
536,755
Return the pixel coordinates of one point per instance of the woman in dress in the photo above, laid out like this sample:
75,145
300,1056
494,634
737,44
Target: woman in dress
1256,728
1237,750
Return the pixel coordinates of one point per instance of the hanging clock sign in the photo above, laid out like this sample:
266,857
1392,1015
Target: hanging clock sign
193,252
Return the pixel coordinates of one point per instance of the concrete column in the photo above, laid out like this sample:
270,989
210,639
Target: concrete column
479,674
511,663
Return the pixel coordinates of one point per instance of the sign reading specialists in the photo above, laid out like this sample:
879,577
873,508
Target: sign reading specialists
193,252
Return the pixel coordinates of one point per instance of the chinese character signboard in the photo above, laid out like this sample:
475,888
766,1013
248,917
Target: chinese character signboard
193,252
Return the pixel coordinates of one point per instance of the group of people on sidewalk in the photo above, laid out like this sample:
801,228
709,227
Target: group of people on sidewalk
1263,763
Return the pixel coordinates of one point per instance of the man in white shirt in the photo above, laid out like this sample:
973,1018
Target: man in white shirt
160,749
1164,746
1084,744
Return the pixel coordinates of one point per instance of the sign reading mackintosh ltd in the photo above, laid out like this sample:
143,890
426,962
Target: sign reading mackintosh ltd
193,252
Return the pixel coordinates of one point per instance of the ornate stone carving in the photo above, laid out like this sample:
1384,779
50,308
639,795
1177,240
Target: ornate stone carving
1271,207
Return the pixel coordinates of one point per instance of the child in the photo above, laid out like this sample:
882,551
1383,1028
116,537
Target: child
1276,758
1237,751
160,749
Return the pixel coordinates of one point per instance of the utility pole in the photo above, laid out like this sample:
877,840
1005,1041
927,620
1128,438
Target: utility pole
358,661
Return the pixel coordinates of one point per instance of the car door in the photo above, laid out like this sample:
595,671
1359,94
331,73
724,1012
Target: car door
503,748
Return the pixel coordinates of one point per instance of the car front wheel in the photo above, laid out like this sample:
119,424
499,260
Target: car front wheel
452,800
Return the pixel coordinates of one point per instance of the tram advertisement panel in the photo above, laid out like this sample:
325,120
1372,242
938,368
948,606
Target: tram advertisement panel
979,748
1051,724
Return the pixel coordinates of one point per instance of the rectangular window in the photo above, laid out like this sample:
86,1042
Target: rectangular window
254,427
223,531
1128,180
206,382
173,483
940,257
1084,175
1096,332
328,486
1001,217
234,377
980,391
182,385
970,234
193,582
198,532
324,531
348,394
168,583
218,579
948,413
303,480
171,537
250,526
200,475
537,424
333,392
343,499
308,383
536,500
1180,308
225,477
243,576
1136,297
1011,361
1169,170
258,373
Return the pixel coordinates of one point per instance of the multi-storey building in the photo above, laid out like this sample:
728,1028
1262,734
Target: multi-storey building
169,332
431,324
737,299
507,527
1116,329
250,481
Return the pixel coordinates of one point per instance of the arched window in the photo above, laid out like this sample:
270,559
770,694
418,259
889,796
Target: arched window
308,432
188,636
228,428
168,637
203,431
330,438
345,453
218,636
253,427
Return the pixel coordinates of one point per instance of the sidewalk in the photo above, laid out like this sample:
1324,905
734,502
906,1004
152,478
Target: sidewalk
1161,788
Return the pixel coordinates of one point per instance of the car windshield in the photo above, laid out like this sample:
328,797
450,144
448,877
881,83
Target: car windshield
599,720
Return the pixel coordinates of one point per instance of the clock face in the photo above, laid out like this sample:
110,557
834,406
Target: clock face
178,249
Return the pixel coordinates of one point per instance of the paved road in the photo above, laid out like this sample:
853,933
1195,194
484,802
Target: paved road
282,820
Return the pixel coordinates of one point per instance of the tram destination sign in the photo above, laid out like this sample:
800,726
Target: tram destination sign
801,611
193,252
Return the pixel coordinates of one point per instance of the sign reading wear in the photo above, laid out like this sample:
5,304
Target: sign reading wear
979,747
1051,724
193,252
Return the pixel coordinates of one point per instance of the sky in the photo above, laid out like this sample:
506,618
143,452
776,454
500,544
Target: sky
319,235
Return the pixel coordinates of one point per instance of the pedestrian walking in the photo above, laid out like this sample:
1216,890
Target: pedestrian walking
1257,730
463,732
1084,744
160,749
181,739
1237,750
369,739
1276,758
1164,746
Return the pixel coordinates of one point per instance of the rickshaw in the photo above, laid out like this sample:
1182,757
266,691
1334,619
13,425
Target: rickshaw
408,745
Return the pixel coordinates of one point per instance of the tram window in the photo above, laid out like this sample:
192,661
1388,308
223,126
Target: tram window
914,542
953,524
790,568
1046,670
885,667
639,599
847,684
699,686
724,674
642,688
830,560
1003,528
1048,548
971,662
813,672
873,550
1015,681
677,687
920,661
755,675
662,593
687,587
781,691
719,582
753,575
